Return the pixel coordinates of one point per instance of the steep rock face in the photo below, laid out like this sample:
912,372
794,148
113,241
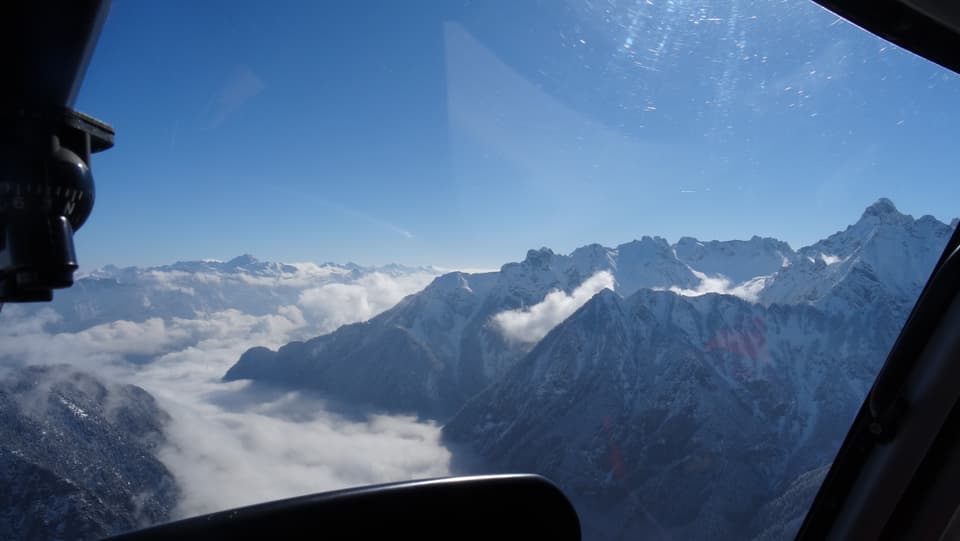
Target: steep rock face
76,456
682,413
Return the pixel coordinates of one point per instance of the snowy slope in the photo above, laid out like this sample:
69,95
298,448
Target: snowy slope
676,416
426,355
884,250
76,456
780,518
686,409
738,261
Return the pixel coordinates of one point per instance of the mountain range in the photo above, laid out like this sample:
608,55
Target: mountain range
702,382
437,348
188,288
695,389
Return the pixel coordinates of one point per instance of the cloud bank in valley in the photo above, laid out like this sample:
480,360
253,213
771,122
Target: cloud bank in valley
530,324
336,304
232,444
225,457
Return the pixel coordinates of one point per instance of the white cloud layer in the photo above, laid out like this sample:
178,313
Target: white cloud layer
336,304
748,291
530,324
226,459
230,443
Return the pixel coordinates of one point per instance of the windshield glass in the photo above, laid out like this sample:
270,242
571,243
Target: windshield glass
654,250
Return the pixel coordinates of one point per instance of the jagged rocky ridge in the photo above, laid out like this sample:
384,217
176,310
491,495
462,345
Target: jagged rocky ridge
437,348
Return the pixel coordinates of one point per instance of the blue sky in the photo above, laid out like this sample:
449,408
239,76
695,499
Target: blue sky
463,133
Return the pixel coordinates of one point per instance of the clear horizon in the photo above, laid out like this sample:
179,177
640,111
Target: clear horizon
463,135
496,267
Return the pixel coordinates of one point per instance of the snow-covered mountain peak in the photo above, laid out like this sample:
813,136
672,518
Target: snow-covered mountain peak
450,281
245,283
606,298
736,260
594,256
881,230
460,283
645,244
885,251
882,208
652,262
242,260
540,259
242,265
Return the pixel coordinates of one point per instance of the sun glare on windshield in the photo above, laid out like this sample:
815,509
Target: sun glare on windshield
655,251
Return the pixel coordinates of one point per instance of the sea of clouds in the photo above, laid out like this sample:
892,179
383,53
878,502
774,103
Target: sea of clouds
232,444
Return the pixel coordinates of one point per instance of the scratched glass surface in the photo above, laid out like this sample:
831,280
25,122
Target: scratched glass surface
654,250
